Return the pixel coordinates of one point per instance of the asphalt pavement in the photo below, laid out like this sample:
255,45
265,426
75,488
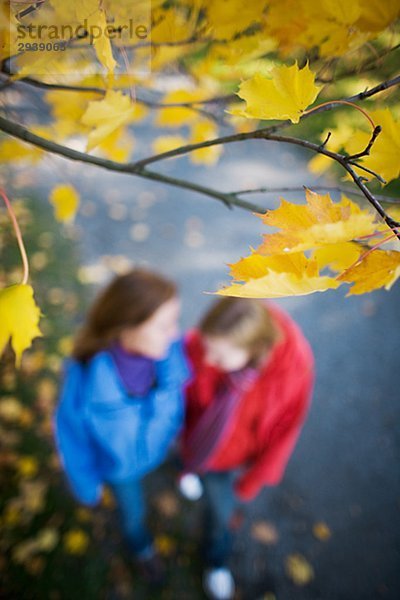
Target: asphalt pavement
345,471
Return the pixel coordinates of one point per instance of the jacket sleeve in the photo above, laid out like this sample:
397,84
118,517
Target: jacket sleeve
72,441
270,465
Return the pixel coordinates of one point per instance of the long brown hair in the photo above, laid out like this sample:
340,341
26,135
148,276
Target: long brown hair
246,322
127,301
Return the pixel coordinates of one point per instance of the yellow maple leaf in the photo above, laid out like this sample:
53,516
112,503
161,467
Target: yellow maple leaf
102,43
297,277
108,114
378,269
170,24
283,95
228,18
93,17
65,200
19,318
337,256
376,15
256,266
342,11
317,223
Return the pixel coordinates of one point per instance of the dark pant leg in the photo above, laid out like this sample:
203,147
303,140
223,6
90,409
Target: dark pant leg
220,503
132,512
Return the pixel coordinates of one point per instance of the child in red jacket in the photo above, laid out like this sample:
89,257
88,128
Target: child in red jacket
246,402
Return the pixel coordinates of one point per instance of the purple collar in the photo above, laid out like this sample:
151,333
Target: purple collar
136,371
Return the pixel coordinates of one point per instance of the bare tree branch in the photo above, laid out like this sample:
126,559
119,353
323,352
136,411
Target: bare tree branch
138,167
217,99
385,85
368,65
102,91
25,135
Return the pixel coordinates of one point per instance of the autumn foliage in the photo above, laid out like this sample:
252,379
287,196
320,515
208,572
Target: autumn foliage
215,72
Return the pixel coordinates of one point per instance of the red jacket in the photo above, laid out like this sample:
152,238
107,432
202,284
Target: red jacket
270,414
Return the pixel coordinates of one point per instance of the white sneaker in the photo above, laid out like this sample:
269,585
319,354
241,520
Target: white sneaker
190,486
219,584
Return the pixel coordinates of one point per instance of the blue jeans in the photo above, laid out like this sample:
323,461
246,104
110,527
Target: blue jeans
132,513
220,504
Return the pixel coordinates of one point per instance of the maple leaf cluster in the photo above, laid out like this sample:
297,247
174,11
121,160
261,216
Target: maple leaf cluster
336,234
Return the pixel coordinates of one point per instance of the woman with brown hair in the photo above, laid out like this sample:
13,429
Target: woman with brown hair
251,387
121,403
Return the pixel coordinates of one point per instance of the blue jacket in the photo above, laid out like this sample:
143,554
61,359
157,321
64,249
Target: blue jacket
103,434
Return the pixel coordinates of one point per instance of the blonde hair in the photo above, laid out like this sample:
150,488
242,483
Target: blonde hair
127,301
246,322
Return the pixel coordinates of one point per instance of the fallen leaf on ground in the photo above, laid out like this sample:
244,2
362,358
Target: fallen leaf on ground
76,541
165,545
265,532
27,466
321,531
299,569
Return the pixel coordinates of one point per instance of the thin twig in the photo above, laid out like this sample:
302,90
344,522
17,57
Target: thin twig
344,190
326,140
368,65
364,255
18,235
363,168
368,147
331,103
218,99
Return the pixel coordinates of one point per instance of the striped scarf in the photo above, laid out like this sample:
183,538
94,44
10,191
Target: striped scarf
213,424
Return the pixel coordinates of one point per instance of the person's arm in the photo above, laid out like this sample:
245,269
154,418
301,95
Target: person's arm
71,437
269,467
